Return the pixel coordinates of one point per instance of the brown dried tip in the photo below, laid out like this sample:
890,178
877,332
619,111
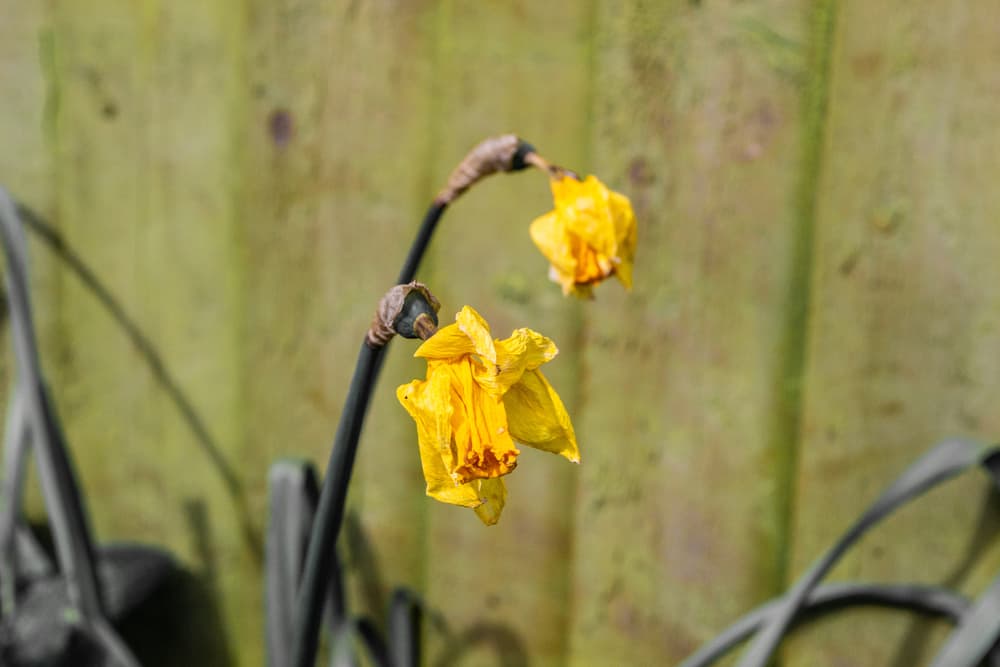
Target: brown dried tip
555,171
488,157
385,323
424,327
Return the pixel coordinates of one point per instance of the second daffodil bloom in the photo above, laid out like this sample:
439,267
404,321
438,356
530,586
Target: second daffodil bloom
590,235
481,396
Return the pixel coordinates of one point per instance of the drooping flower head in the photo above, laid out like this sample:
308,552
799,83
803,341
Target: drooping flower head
481,396
590,235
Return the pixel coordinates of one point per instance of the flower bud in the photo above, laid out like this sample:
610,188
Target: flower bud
409,310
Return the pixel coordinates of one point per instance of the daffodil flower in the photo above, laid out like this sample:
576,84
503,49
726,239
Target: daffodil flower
481,396
589,236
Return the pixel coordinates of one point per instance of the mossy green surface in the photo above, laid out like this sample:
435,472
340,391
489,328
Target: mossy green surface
815,298
903,335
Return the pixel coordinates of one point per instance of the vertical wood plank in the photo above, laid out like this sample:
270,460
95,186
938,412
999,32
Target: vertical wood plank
336,183
507,67
245,184
680,516
904,319
25,162
144,131
25,149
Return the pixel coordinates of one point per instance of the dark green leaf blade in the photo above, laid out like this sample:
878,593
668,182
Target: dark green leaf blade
976,633
942,462
925,599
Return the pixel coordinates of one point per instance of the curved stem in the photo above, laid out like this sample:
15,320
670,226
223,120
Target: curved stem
504,153
15,446
553,170
63,498
925,599
330,512
942,462
420,243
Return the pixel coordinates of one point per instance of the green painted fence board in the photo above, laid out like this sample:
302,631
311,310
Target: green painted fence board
26,167
391,161
144,151
336,182
680,513
25,162
904,311
243,179
502,591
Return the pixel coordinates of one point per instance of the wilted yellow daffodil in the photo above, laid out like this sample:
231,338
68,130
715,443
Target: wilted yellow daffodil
481,396
588,236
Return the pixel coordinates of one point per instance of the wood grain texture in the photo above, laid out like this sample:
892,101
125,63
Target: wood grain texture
26,168
521,67
25,161
336,183
816,299
904,313
680,512
144,155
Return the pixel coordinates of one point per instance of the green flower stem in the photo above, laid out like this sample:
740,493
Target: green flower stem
330,512
419,247
498,154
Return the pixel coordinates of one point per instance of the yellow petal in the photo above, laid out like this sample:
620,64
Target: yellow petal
480,436
469,335
549,234
524,350
493,493
538,418
430,406
585,210
475,327
563,280
447,343
625,236
589,236
591,266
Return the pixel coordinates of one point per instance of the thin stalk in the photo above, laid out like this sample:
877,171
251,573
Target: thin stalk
419,247
15,446
505,153
63,499
330,512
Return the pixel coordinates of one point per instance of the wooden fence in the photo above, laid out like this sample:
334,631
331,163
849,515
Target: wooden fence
817,298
